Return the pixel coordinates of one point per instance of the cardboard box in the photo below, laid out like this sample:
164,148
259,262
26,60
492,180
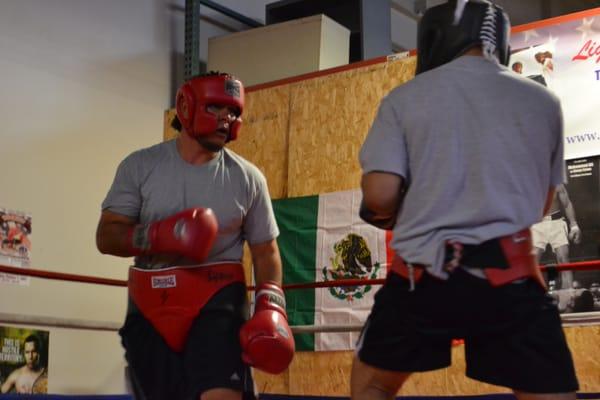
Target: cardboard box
281,50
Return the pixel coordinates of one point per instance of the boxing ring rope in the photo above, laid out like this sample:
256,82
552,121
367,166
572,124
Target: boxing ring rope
582,318
61,276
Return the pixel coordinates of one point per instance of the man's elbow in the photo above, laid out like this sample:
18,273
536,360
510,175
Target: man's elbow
7,386
382,192
381,206
101,246
103,242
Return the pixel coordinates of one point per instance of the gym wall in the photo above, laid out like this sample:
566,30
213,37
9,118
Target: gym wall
305,135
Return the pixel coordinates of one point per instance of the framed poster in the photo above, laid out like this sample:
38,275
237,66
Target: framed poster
15,244
23,360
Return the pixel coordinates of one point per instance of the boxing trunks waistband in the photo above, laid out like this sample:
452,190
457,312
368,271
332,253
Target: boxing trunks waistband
172,298
553,217
503,260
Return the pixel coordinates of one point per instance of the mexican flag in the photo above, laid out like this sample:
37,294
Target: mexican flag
323,239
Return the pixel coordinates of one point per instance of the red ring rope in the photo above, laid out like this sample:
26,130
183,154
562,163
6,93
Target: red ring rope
38,273
574,266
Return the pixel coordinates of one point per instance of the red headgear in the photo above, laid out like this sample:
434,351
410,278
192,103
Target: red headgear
198,93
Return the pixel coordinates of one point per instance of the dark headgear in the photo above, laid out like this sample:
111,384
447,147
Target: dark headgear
449,30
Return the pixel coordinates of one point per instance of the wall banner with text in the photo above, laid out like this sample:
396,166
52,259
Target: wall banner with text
565,56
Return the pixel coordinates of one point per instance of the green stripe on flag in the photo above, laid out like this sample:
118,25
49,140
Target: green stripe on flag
297,220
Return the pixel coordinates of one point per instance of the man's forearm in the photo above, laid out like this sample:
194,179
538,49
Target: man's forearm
112,236
570,214
383,211
266,262
7,385
267,269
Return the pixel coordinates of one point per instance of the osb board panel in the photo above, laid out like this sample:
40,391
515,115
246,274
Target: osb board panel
585,347
321,373
247,263
275,384
168,132
328,373
263,139
330,117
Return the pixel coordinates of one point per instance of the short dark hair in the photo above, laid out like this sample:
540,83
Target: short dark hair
176,123
209,73
35,340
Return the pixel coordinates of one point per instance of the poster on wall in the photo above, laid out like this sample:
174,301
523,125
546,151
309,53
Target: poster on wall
571,233
15,244
23,360
565,57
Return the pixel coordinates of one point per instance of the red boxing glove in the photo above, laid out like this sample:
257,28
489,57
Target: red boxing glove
266,339
190,233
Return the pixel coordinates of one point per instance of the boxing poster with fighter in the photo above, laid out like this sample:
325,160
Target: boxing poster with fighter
571,233
565,57
15,243
23,360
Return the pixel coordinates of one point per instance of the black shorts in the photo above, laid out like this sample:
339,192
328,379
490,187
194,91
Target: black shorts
211,357
513,334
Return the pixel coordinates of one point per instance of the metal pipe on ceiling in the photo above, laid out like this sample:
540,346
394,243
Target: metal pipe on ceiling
231,13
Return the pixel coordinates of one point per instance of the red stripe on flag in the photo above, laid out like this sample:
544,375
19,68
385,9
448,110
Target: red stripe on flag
389,252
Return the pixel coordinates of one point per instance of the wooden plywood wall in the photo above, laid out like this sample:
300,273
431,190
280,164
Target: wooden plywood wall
328,373
264,136
305,137
330,117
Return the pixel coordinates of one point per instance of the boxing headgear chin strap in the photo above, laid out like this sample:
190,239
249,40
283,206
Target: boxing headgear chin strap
449,30
196,94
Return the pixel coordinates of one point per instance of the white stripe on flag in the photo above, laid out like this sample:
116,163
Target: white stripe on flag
338,217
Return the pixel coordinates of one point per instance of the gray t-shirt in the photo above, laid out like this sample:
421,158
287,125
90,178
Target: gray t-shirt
154,183
479,148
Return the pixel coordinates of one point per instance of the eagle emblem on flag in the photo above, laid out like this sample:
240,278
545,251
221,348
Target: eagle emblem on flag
352,260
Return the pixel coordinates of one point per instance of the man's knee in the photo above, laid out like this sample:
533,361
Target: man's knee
539,252
562,254
221,394
366,379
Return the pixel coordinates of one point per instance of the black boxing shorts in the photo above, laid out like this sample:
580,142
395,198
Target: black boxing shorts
512,333
210,358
